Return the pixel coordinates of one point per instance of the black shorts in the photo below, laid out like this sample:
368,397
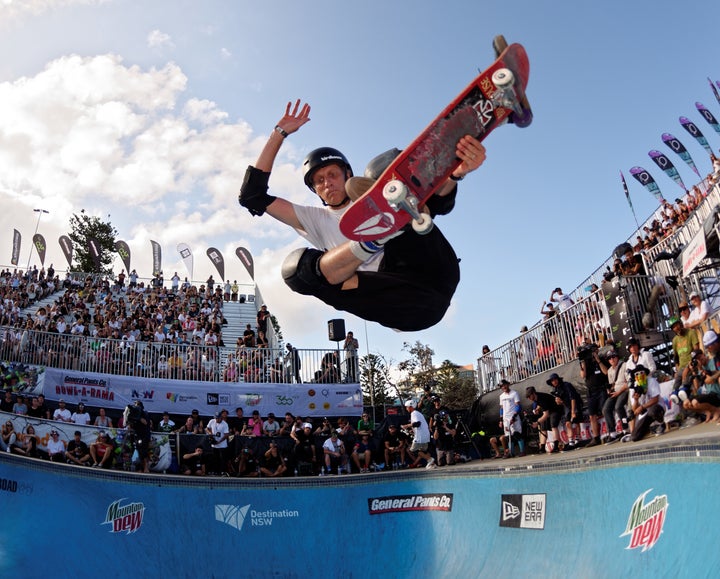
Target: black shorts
552,421
596,399
412,288
712,398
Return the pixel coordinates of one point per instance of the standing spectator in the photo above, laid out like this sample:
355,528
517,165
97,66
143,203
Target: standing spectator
351,358
510,420
546,415
218,429
444,434
227,290
292,364
421,440
263,316
594,371
564,301
175,283
683,344
568,398
234,289
489,369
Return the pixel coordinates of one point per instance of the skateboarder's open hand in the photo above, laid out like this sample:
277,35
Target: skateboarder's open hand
295,116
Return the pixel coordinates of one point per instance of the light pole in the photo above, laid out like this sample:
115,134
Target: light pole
32,241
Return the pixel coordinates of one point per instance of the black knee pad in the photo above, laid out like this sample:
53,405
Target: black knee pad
301,271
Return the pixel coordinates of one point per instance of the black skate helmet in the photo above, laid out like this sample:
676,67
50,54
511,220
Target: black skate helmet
319,158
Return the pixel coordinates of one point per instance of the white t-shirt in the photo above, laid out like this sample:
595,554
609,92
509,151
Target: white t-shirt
218,430
83,418
320,226
422,432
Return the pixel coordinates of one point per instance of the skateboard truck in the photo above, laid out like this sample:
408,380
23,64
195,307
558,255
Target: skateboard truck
397,195
506,96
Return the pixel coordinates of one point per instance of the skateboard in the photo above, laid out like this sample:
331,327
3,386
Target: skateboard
496,96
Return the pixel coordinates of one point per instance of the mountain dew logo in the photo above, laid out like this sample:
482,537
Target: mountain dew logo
646,520
124,518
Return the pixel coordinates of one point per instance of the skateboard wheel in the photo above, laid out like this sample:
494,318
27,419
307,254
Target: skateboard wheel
503,78
424,225
395,192
524,119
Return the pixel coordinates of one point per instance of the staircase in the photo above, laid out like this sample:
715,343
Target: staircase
238,316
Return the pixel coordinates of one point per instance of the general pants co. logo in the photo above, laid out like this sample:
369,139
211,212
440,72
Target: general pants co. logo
124,518
646,520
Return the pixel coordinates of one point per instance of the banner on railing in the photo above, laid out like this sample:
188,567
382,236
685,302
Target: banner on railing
156,256
715,90
646,179
40,247
247,259
95,251
182,396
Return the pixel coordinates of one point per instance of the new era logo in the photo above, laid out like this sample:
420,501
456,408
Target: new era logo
509,511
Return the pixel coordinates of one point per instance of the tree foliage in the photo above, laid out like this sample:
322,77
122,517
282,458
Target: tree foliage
457,392
375,380
418,369
83,229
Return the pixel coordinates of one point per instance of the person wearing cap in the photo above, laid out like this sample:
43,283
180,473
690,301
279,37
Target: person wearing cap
421,437
684,343
413,276
366,425
617,400
254,425
304,450
61,413
640,371
510,422
80,416
395,445
101,451
569,399
593,369
546,415
166,425
77,451
706,400
55,447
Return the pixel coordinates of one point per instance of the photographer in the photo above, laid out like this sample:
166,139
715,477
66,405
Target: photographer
139,428
594,371
444,435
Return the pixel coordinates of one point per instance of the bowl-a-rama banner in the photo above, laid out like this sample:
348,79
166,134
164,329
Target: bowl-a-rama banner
183,396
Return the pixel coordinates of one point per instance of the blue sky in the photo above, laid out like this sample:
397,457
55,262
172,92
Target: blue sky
151,111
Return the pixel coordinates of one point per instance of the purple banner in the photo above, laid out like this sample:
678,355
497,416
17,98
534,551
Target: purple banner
708,116
666,165
675,144
715,90
646,179
691,128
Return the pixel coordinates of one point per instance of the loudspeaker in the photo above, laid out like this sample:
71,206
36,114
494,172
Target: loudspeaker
336,330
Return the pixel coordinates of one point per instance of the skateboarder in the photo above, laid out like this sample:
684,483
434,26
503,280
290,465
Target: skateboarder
405,282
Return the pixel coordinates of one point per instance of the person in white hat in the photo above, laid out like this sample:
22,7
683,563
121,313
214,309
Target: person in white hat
421,440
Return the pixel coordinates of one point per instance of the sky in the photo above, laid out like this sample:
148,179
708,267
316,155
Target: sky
150,112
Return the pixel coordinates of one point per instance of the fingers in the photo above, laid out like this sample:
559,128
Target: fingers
471,152
291,110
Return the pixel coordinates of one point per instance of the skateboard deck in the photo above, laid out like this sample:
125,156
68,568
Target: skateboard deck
430,159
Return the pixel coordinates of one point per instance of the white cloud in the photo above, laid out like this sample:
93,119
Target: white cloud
225,53
12,9
158,39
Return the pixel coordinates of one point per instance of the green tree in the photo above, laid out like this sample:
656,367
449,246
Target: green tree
456,392
418,369
375,381
85,228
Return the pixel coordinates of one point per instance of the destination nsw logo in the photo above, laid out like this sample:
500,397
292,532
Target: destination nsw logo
126,518
646,521
234,516
421,502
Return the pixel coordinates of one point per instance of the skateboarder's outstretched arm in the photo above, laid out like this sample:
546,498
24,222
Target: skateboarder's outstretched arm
253,193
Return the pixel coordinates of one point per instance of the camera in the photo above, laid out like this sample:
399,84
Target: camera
586,352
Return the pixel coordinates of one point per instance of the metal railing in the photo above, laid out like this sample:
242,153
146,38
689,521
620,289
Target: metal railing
173,361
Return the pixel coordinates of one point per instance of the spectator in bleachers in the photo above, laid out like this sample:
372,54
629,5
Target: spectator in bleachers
699,313
564,301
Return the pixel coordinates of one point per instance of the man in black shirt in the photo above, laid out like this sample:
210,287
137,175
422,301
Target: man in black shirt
545,414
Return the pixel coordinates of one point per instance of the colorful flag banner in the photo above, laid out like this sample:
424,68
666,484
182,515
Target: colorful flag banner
247,260
95,251
708,116
627,196
67,248
40,246
666,165
17,239
157,257
715,90
218,261
646,179
123,250
675,144
187,257
691,128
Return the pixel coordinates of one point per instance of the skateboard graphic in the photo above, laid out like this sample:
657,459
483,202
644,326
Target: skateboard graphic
494,97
